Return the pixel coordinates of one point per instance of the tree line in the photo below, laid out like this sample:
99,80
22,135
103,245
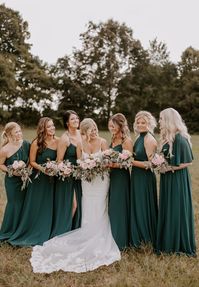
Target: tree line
110,73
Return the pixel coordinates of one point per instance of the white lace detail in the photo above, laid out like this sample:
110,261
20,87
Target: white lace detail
85,248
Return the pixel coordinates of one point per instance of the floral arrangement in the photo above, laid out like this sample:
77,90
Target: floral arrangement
89,168
109,156
19,168
159,163
123,159
49,168
65,169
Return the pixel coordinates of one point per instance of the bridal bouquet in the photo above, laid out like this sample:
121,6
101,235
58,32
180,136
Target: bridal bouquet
89,168
20,169
65,169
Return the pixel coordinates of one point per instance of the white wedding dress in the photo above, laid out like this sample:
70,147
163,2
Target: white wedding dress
85,248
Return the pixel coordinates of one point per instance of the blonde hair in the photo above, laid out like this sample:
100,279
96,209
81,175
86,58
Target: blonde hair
121,121
171,124
7,132
87,124
149,118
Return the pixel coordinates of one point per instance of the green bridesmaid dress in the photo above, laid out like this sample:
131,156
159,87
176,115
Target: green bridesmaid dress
119,204
63,200
143,200
36,218
175,232
15,196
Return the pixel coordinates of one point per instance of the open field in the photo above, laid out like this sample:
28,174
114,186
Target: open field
136,269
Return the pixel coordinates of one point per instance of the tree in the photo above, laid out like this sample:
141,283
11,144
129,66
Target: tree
97,67
24,80
150,85
188,102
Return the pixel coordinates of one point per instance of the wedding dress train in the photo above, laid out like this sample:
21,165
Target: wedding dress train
85,248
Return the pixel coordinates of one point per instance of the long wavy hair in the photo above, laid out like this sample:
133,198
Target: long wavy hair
149,118
171,124
7,132
85,125
121,121
66,117
41,133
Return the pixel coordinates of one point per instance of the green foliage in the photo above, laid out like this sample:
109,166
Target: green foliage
110,73
24,81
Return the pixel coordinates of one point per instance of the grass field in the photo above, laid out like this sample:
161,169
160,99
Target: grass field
136,269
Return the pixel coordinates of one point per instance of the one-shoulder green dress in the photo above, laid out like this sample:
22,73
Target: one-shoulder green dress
63,200
143,199
119,204
15,196
36,218
175,232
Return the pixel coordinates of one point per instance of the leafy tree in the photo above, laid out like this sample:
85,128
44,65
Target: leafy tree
97,67
188,101
24,80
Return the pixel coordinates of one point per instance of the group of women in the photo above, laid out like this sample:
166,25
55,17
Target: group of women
106,215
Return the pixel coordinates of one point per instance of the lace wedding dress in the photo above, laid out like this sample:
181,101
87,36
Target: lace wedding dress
85,248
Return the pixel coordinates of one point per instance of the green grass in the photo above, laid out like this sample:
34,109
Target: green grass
136,269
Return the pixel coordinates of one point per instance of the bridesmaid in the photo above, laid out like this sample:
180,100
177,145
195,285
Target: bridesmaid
175,222
36,219
119,182
143,196
67,199
13,148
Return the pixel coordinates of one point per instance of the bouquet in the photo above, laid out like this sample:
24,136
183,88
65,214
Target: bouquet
65,169
20,169
50,168
109,156
89,168
159,163
123,159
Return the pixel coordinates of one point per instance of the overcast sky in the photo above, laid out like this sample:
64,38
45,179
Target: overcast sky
55,26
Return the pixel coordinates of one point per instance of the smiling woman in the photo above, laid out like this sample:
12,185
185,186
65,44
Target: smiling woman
13,149
67,198
143,195
36,217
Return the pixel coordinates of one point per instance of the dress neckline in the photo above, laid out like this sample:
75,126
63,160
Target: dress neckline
116,145
16,150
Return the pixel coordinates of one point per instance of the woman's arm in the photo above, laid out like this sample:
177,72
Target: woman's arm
128,145
79,150
33,155
63,144
104,144
175,168
3,156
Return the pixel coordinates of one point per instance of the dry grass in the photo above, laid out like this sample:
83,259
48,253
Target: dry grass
136,269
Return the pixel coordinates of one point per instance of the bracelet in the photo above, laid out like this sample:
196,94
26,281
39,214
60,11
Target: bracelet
147,164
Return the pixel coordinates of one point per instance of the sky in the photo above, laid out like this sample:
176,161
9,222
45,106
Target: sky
55,26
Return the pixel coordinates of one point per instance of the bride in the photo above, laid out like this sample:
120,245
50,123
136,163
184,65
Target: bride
92,245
